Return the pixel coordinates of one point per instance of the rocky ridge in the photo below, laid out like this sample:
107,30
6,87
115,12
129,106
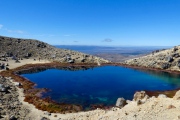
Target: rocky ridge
168,59
27,48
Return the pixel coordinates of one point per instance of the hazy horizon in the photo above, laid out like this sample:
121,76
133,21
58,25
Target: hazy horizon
112,45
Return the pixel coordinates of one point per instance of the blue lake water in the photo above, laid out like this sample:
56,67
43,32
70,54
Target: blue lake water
100,85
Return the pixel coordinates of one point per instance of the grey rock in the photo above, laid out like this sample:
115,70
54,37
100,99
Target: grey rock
44,118
165,65
162,96
140,97
17,83
3,88
178,64
47,113
152,64
176,55
169,59
121,102
12,118
175,49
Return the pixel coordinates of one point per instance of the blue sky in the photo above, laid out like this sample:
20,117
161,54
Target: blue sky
93,22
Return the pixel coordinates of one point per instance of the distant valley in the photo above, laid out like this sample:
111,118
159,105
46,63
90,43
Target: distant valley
114,53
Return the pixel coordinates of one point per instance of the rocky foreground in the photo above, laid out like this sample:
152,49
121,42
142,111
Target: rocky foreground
10,106
161,59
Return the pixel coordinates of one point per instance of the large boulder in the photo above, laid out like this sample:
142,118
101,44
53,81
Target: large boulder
165,65
121,102
3,88
169,59
162,96
12,118
176,55
17,84
178,63
175,49
140,97
177,95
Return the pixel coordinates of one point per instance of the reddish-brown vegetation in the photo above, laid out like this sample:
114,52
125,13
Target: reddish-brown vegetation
33,95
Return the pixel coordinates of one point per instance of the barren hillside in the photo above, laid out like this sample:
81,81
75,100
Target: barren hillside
28,48
164,59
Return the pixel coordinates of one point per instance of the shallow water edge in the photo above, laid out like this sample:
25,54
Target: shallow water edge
33,95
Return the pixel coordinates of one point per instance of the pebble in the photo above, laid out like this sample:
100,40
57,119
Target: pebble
171,106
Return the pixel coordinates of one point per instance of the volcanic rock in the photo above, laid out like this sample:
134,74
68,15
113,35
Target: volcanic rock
177,95
120,102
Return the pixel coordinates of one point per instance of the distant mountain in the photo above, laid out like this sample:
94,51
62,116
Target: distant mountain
114,53
125,50
28,48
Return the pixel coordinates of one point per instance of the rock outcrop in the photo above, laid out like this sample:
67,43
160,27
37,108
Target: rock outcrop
140,97
121,102
177,95
17,48
162,59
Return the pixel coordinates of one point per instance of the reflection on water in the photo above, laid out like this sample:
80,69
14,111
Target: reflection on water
101,85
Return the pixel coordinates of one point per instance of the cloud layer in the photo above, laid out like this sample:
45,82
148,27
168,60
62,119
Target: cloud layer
107,40
11,31
15,31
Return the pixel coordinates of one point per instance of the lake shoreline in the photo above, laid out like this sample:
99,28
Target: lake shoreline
29,68
74,67
30,85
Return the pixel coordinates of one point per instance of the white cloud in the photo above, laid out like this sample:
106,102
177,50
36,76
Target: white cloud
1,26
12,31
107,40
15,31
